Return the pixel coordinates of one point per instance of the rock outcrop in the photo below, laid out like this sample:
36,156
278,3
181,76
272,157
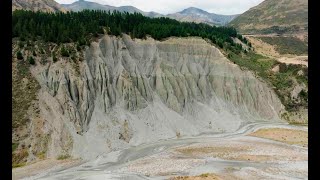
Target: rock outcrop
130,92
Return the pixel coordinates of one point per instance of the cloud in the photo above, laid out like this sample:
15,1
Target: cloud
172,6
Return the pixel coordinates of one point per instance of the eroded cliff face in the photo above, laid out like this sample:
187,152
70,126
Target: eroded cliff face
127,92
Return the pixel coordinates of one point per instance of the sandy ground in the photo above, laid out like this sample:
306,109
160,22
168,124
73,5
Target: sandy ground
200,177
42,167
294,60
237,152
290,136
244,157
256,151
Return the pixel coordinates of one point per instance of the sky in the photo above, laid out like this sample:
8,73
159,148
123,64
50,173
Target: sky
226,7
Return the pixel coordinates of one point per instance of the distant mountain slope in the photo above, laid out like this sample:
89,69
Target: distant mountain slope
274,16
82,4
190,14
193,14
36,5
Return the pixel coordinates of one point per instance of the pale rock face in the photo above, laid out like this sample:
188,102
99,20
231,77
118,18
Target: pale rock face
138,91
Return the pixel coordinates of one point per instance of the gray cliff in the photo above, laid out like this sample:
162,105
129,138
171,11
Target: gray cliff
128,92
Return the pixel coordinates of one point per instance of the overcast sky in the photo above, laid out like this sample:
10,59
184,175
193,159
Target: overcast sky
226,7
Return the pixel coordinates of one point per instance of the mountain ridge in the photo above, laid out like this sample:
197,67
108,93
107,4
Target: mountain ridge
191,14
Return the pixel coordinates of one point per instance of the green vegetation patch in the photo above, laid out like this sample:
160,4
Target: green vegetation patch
16,165
19,55
63,156
14,146
65,52
31,60
254,62
282,82
19,158
24,89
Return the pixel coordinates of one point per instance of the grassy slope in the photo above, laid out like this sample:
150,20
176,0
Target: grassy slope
282,82
25,89
287,45
24,93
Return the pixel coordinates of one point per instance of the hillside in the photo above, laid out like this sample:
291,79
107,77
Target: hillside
43,40
274,16
119,91
37,5
81,78
117,95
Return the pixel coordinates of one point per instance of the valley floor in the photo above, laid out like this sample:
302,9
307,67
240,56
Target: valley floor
256,151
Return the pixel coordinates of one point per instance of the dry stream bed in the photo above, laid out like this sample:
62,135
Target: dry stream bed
256,151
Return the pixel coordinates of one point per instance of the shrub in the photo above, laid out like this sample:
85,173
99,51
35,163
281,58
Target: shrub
304,95
14,165
14,146
64,52
19,158
19,55
204,175
21,45
78,47
54,58
63,156
41,155
31,60
29,43
220,44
